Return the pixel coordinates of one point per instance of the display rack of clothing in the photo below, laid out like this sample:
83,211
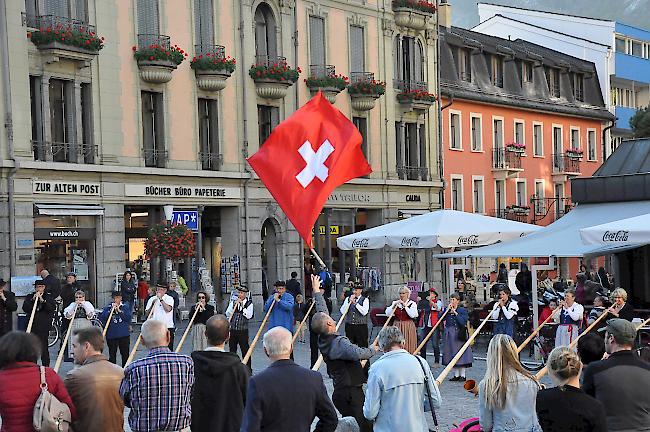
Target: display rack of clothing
370,277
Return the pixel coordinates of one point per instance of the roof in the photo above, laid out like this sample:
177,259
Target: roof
533,96
625,176
544,28
562,238
548,12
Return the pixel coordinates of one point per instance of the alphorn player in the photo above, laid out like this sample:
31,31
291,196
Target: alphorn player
405,311
342,358
569,319
455,337
240,312
356,321
205,311
45,307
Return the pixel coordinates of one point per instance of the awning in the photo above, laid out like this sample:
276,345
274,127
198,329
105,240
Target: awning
440,228
635,230
69,210
562,238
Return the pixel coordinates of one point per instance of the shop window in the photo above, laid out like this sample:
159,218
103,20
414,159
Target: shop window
153,130
209,154
268,118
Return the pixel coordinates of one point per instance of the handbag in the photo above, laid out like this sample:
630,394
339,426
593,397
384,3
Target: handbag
463,334
50,414
429,399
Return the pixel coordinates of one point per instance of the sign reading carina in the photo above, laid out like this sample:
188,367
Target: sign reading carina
177,191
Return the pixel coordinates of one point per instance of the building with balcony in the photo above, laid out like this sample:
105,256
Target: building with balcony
621,53
115,109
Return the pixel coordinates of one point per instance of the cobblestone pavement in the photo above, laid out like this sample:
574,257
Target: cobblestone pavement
457,403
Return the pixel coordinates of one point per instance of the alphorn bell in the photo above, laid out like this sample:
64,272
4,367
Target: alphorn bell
471,386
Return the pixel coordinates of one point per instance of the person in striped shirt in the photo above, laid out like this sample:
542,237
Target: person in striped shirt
158,387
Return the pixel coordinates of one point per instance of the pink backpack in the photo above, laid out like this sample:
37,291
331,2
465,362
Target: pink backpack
469,425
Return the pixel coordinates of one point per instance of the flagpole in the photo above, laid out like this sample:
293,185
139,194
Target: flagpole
320,261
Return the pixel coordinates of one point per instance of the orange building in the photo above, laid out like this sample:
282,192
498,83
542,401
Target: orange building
518,122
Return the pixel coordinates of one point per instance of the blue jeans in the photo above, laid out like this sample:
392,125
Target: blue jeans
434,340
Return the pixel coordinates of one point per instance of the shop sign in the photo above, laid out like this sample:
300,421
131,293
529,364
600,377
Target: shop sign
189,218
413,198
65,188
350,197
176,191
334,230
64,233
23,285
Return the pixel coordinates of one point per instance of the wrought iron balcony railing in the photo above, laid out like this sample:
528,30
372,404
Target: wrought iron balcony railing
211,161
563,163
154,158
147,40
519,216
361,77
321,71
56,23
412,173
216,51
554,208
405,85
64,152
503,159
268,60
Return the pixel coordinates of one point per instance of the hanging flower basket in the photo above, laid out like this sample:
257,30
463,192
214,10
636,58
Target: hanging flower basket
170,241
212,72
514,147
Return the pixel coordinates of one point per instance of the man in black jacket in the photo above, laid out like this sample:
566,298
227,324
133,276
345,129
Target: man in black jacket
220,380
52,284
343,360
8,306
293,285
45,306
285,396
621,381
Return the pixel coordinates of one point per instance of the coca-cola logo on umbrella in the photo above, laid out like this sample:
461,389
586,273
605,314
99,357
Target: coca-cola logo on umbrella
616,236
410,242
470,240
360,243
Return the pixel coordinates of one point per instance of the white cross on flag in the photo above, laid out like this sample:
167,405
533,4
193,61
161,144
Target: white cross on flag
306,157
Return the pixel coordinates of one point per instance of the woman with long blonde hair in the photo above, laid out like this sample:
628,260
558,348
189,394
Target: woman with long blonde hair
508,391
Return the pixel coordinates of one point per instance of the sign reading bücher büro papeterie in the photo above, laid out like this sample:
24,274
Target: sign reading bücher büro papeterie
176,191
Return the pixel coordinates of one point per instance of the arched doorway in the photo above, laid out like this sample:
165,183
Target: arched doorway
269,252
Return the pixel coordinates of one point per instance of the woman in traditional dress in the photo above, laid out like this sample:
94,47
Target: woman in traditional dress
81,319
570,318
406,310
455,323
199,341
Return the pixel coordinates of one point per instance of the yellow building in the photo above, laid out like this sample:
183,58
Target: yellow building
98,141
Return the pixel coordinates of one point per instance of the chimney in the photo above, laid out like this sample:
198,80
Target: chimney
444,13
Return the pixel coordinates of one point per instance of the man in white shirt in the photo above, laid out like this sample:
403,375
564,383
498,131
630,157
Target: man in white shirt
505,313
163,310
356,321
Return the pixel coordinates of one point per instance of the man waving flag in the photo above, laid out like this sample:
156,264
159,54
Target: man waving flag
306,157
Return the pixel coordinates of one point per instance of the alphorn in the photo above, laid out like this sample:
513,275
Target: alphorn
187,330
460,353
59,358
108,321
533,334
31,317
139,339
319,362
544,370
426,339
249,353
392,314
295,336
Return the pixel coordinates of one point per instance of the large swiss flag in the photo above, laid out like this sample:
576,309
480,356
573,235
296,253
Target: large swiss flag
306,157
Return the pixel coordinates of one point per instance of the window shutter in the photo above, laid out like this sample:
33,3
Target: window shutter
398,143
418,55
81,10
148,18
423,148
357,49
317,40
203,23
261,47
397,70
214,126
57,8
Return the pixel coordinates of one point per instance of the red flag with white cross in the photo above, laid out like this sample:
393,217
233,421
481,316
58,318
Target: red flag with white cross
306,157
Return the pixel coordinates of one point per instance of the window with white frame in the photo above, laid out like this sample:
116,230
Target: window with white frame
591,145
519,132
557,140
539,196
538,142
477,133
497,131
500,195
521,193
478,196
457,193
454,131
575,139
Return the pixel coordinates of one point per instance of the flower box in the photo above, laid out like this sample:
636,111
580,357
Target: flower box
363,94
416,99
574,154
272,80
516,148
59,41
212,72
157,62
413,14
330,85
520,210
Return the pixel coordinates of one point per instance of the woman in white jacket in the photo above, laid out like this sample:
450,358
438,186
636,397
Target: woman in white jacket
83,316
